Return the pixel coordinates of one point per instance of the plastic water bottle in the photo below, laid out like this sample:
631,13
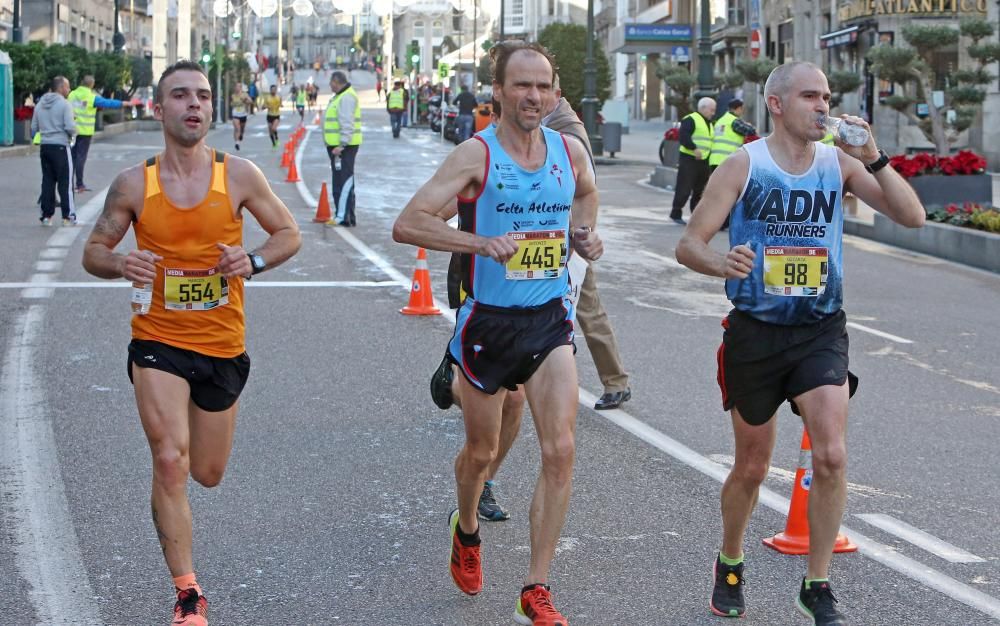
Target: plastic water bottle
851,134
336,163
142,298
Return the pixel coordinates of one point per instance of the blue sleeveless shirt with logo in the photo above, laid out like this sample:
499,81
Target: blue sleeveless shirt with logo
794,223
533,207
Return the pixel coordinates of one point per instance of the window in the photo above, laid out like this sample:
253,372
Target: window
736,12
552,7
418,29
437,29
515,16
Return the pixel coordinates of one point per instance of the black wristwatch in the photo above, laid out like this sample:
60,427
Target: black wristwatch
257,262
882,161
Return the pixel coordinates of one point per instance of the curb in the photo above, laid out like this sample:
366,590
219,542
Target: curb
19,150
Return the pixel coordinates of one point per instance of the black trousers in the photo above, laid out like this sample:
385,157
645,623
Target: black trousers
692,176
80,150
57,170
343,184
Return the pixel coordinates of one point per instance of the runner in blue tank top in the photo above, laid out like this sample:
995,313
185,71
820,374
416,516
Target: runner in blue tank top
786,337
526,198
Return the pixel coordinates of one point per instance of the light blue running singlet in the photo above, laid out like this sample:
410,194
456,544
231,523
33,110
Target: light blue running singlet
795,225
534,209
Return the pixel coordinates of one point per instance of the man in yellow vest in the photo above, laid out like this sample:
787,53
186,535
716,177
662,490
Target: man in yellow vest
695,135
729,133
396,103
85,102
342,134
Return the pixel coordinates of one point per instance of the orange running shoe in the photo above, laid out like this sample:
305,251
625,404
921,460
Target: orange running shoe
534,608
466,565
191,609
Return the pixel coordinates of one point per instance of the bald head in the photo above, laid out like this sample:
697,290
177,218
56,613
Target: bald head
780,80
88,81
706,106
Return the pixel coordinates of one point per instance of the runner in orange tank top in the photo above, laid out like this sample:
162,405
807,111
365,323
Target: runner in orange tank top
187,357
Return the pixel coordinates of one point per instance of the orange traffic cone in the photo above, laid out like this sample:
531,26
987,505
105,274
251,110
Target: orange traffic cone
421,297
795,539
293,174
316,120
286,156
323,208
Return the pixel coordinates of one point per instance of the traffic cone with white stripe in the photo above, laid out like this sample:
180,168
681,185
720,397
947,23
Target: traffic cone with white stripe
795,538
421,297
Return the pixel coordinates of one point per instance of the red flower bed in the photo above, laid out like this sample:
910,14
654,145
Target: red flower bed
23,113
964,163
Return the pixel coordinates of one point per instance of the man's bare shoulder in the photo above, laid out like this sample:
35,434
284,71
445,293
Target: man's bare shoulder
733,171
470,153
129,187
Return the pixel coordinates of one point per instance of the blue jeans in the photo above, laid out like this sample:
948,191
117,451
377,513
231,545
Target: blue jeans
396,119
465,125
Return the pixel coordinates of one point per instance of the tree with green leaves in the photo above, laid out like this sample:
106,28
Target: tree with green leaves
841,82
913,70
568,44
680,82
112,72
28,65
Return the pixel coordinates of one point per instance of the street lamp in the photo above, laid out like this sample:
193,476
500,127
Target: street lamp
589,100
16,30
706,80
118,39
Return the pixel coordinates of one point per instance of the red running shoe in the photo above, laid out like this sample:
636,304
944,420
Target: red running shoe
534,608
191,609
466,564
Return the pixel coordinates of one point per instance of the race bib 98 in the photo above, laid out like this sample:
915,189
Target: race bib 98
795,271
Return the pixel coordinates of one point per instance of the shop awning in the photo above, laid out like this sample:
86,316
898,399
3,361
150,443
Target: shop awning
841,37
466,55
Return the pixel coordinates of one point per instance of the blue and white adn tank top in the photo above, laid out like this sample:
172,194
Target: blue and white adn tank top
533,208
795,225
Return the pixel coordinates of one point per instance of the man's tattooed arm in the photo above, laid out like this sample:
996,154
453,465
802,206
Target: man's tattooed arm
119,212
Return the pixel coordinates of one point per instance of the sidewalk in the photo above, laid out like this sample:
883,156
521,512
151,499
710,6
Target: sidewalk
640,146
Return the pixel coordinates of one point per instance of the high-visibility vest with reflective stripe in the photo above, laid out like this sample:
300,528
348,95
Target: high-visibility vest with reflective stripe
396,99
725,141
331,124
828,140
300,98
702,136
81,100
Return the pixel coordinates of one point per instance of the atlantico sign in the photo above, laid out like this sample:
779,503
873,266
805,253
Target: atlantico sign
927,8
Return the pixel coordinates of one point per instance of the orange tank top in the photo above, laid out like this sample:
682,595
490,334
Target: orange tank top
194,307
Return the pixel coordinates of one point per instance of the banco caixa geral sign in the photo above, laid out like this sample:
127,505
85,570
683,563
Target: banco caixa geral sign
912,8
657,32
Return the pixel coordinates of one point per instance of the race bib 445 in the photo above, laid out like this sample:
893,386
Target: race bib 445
540,254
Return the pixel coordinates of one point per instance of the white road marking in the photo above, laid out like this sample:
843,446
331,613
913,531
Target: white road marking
878,333
919,538
53,253
48,266
37,511
909,358
250,284
788,476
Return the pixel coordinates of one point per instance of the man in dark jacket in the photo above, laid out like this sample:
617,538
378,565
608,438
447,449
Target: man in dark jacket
53,120
695,136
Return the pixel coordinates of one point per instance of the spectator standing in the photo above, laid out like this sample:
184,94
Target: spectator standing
466,113
396,102
53,121
692,168
342,134
85,103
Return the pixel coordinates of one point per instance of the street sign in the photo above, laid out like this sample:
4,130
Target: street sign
754,44
657,32
443,69
680,54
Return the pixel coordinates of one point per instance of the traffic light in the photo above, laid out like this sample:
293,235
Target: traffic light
353,49
206,52
237,34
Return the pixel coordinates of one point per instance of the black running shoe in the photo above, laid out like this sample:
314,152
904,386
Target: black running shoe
489,510
817,603
727,596
441,385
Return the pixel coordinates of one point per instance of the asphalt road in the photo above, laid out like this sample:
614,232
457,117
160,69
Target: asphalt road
335,503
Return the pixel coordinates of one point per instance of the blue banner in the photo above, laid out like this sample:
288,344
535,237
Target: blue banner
657,32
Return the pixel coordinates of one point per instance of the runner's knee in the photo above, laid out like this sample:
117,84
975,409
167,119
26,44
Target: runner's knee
750,472
558,454
829,460
480,453
209,476
171,467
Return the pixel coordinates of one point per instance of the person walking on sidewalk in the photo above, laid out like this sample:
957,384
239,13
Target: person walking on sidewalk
515,325
396,102
786,337
187,359
695,136
85,103
466,113
342,134
53,122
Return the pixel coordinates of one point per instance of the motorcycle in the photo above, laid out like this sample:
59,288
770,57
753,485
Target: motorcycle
451,124
434,113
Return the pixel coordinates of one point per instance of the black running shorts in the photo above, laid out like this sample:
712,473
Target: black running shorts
498,347
216,383
272,118
761,365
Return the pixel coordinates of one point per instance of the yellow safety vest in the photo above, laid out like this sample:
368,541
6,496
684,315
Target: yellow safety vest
300,98
396,99
702,136
828,140
81,100
331,123
726,140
